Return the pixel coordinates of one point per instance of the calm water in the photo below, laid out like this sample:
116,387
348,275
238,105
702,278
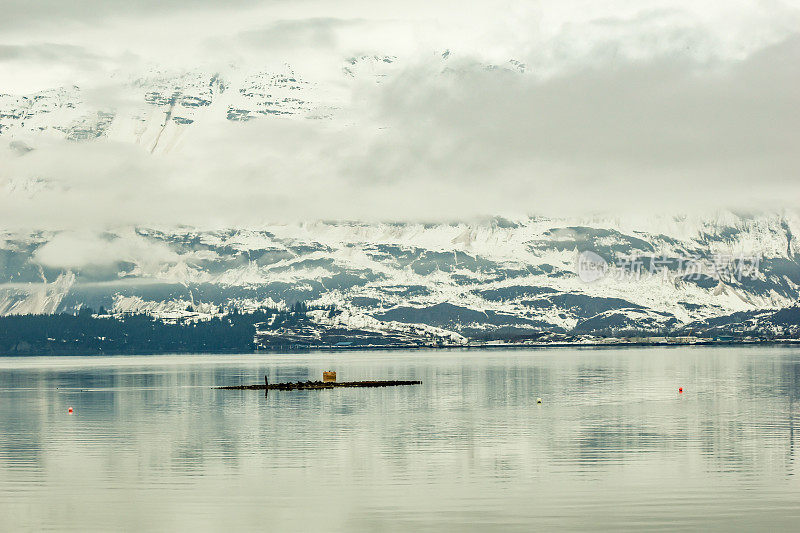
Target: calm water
151,446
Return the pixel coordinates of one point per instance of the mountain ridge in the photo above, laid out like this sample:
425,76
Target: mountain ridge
525,272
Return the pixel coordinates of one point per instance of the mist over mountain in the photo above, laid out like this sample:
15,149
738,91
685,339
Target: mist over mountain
249,116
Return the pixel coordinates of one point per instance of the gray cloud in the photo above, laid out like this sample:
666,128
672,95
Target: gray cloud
659,136
652,109
291,34
42,13
662,134
44,52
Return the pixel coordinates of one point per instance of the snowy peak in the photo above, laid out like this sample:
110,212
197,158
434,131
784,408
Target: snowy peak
157,107
152,109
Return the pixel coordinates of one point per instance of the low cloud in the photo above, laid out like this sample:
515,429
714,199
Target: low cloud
288,35
663,107
76,250
664,134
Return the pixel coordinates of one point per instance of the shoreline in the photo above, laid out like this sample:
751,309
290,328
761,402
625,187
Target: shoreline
513,345
489,346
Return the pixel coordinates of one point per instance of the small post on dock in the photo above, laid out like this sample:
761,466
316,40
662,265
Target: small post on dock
266,385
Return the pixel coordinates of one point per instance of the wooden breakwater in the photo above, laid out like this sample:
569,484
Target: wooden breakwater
318,385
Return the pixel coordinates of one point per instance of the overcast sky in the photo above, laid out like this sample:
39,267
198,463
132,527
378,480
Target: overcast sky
662,106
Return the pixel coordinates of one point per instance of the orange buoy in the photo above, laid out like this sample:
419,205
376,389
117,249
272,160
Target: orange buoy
69,410
680,389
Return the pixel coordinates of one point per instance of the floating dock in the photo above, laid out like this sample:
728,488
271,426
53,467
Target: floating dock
318,385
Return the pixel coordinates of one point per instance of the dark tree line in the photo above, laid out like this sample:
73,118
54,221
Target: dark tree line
87,334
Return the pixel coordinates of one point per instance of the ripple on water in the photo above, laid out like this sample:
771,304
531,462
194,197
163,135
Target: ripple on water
612,446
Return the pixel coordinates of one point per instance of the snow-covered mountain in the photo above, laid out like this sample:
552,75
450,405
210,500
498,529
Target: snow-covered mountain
496,277
154,109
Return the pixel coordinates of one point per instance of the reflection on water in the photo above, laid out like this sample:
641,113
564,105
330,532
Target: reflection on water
151,445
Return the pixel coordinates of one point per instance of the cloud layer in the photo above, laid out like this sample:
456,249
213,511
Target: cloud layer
635,106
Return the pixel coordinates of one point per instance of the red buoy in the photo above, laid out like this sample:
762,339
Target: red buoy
69,410
680,389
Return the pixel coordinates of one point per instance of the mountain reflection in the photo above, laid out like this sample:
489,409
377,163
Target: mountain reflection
472,430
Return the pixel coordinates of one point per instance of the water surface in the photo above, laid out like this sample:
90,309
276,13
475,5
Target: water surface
150,445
